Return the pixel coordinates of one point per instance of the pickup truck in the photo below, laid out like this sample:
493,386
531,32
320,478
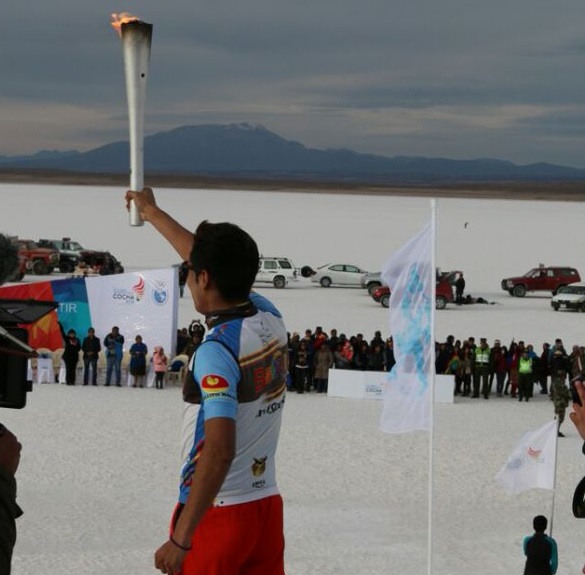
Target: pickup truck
39,261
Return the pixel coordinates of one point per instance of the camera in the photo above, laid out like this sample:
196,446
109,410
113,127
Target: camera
14,349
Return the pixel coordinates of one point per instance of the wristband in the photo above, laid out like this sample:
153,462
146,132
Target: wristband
179,546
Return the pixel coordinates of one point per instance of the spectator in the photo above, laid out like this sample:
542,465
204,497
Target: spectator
301,363
91,348
138,352
323,363
376,356
114,345
160,364
70,354
540,550
389,359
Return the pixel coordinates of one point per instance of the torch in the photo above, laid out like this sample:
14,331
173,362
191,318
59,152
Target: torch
136,38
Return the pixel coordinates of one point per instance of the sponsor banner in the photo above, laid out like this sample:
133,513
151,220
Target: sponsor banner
370,385
142,303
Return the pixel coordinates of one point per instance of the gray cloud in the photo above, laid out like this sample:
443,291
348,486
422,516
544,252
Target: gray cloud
408,77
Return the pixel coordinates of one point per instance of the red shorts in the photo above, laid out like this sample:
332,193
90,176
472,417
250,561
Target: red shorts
243,539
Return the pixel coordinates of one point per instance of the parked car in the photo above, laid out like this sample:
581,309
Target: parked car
542,278
443,294
570,297
276,270
103,263
39,261
338,274
372,280
69,252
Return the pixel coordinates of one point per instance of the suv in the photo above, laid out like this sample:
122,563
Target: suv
542,278
40,261
277,271
69,252
104,263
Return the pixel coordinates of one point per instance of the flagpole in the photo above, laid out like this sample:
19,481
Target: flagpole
552,505
433,272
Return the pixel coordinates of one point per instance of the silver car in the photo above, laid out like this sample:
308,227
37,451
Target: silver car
338,274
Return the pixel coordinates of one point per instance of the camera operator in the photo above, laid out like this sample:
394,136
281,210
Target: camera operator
9,445
9,510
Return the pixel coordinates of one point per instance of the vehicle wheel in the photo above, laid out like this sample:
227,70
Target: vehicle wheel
385,300
556,307
372,286
557,290
582,308
66,267
519,291
279,282
440,302
307,271
325,282
39,268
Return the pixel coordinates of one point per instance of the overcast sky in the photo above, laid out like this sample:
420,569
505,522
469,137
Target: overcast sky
451,78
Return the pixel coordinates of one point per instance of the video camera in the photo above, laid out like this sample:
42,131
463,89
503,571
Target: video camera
14,349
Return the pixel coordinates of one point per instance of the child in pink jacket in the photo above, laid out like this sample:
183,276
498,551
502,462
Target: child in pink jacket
159,361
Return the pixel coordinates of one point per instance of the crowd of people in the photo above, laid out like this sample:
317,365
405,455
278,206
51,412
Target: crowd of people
515,369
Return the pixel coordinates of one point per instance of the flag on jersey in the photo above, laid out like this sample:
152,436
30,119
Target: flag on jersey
406,392
533,461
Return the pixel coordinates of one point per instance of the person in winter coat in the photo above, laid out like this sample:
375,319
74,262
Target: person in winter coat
138,352
323,361
71,354
160,364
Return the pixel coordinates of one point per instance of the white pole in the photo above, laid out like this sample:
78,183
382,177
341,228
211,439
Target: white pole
433,271
552,506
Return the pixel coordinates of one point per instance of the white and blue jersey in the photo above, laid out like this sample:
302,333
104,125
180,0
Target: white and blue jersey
239,372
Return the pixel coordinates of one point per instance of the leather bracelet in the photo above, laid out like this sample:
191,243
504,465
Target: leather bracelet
179,546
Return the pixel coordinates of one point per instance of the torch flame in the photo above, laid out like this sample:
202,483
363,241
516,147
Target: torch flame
122,18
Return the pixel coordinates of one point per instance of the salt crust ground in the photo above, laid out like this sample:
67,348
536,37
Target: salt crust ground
99,467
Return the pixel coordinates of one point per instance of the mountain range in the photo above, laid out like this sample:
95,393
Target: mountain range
252,151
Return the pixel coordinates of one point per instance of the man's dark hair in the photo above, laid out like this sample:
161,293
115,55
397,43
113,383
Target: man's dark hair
539,523
8,258
229,255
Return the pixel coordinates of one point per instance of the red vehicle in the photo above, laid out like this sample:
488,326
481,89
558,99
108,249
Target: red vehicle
542,278
443,295
40,261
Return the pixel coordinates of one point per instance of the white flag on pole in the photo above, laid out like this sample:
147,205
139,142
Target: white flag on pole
532,463
411,276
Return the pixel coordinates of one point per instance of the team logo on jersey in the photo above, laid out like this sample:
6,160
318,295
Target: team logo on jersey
214,384
259,467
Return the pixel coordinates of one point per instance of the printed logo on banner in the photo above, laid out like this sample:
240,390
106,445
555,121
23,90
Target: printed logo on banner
138,288
160,294
124,296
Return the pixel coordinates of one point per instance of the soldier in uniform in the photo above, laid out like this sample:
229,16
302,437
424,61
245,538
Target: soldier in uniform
559,391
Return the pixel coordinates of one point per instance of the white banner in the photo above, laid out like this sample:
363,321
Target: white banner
410,276
142,303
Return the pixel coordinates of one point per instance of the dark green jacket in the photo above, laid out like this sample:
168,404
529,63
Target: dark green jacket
9,511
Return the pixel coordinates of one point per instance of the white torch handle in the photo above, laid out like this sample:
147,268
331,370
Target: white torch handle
136,43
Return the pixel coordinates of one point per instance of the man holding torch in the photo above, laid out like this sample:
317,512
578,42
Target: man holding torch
229,517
